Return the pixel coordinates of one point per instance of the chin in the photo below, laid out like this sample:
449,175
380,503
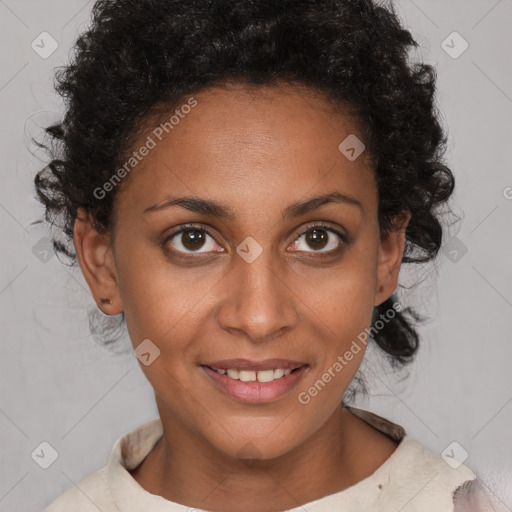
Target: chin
257,447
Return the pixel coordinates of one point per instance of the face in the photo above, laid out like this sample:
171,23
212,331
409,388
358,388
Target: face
251,270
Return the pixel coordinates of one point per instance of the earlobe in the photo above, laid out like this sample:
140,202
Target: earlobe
94,253
391,251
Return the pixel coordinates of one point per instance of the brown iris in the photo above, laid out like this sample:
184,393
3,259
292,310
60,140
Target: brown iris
193,239
317,238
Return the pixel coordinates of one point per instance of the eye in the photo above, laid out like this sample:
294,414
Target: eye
319,237
191,239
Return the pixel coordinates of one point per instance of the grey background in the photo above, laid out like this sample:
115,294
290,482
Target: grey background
58,385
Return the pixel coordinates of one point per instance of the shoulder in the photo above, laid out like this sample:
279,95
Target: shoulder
422,479
413,477
106,488
416,459
88,495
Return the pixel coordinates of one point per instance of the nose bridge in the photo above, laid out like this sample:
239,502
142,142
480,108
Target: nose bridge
259,304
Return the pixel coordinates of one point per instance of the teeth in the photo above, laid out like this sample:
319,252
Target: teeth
252,376
233,374
247,376
278,373
266,375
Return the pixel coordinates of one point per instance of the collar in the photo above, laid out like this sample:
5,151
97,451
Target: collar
411,467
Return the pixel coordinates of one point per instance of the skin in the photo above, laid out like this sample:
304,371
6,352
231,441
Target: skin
245,148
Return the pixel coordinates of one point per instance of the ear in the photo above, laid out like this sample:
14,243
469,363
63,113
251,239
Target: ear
96,260
391,250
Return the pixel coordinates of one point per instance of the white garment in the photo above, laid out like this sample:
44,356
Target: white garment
412,479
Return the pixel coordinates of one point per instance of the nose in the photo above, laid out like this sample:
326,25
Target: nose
259,304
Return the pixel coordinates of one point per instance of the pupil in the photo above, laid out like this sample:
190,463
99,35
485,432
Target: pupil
193,239
318,237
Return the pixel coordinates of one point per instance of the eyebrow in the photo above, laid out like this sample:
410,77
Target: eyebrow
216,209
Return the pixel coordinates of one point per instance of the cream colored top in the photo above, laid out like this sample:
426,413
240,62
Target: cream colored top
412,479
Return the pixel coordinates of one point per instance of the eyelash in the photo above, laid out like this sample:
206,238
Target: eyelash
308,227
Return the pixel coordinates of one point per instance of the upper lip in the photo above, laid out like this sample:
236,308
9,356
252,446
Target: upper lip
247,364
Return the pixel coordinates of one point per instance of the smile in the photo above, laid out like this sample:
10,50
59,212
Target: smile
252,376
256,385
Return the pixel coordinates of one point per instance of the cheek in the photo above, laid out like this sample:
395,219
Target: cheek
164,301
342,307
160,298
342,300
352,308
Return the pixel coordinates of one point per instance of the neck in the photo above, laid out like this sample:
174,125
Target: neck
192,472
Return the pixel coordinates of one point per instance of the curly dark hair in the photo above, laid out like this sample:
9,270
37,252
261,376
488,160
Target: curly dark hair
140,58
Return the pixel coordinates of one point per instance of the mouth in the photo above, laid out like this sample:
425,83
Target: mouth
255,381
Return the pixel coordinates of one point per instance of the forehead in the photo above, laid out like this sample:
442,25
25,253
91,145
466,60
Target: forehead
250,144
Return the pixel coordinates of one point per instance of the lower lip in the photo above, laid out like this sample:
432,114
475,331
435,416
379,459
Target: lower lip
256,392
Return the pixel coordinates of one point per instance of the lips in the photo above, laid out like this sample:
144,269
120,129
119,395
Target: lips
250,365
251,381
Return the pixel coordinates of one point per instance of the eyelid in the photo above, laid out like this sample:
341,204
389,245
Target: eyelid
310,225
324,225
189,227
319,255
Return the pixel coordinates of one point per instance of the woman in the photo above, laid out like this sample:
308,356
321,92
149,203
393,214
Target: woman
242,181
